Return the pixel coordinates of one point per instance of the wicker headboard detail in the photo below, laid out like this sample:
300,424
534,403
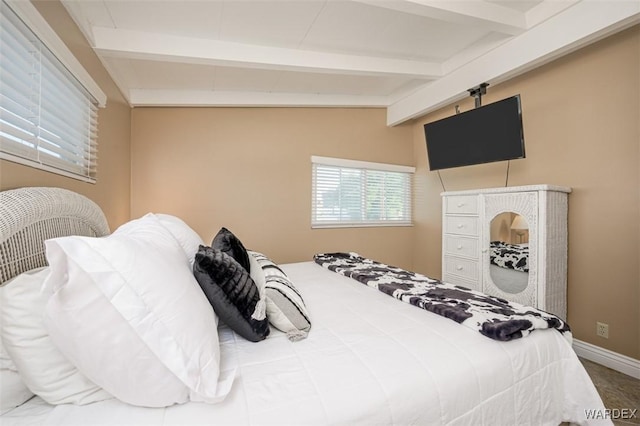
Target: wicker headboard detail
29,216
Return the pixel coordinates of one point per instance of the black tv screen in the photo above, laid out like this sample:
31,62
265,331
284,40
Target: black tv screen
489,133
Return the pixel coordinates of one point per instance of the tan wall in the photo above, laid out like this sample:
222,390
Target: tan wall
111,191
249,169
582,129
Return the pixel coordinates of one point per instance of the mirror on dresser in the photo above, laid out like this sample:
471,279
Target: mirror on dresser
526,226
501,210
509,252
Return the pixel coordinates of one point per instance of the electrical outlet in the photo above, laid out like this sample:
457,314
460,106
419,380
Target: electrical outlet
602,329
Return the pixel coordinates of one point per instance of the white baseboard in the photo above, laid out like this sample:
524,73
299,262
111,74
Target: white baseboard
613,360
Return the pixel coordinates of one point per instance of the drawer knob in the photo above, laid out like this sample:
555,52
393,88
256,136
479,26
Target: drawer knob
460,226
459,247
459,267
460,204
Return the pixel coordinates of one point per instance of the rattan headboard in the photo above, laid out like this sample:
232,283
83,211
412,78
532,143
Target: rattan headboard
29,216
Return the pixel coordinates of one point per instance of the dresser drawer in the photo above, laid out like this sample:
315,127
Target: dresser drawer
464,268
461,281
461,204
461,246
461,225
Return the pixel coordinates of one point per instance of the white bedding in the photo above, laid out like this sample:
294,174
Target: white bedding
369,359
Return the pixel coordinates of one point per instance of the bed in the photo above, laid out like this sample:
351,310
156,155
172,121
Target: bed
367,359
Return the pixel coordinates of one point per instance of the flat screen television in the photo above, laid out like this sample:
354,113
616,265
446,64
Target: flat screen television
486,134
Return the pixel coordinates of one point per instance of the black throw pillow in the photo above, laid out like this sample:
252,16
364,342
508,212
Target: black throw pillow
228,243
231,292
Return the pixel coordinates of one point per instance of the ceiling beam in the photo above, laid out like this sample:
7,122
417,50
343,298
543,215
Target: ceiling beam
576,27
196,98
122,43
490,16
545,10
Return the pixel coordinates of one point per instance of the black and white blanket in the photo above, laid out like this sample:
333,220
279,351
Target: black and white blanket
510,256
492,316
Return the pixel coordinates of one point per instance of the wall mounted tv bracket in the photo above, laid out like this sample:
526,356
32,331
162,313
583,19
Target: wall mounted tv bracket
477,93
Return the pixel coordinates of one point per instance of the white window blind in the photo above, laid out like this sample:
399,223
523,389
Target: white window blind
48,119
357,193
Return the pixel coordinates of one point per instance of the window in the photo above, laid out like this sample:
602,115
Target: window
48,114
358,193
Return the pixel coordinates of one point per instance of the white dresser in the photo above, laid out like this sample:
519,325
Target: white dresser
473,219
461,240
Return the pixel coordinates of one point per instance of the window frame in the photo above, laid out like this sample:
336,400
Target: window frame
32,19
366,167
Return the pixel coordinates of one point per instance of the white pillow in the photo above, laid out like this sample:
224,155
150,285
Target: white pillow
257,275
13,391
127,311
44,370
188,239
286,309
6,363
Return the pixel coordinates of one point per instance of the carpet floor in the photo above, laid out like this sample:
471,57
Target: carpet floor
617,390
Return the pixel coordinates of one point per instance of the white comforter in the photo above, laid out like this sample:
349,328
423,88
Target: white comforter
371,360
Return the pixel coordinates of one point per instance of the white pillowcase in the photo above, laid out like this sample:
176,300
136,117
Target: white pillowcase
44,370
6,363
257,275
128,312
13,391
285,308
188,239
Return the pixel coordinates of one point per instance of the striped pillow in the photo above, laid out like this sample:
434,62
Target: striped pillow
286,310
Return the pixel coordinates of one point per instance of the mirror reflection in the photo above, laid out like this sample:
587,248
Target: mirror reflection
509,259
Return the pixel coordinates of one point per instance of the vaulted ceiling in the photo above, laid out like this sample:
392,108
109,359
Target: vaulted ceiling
410,56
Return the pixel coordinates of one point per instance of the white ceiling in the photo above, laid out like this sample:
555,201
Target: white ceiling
411,56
